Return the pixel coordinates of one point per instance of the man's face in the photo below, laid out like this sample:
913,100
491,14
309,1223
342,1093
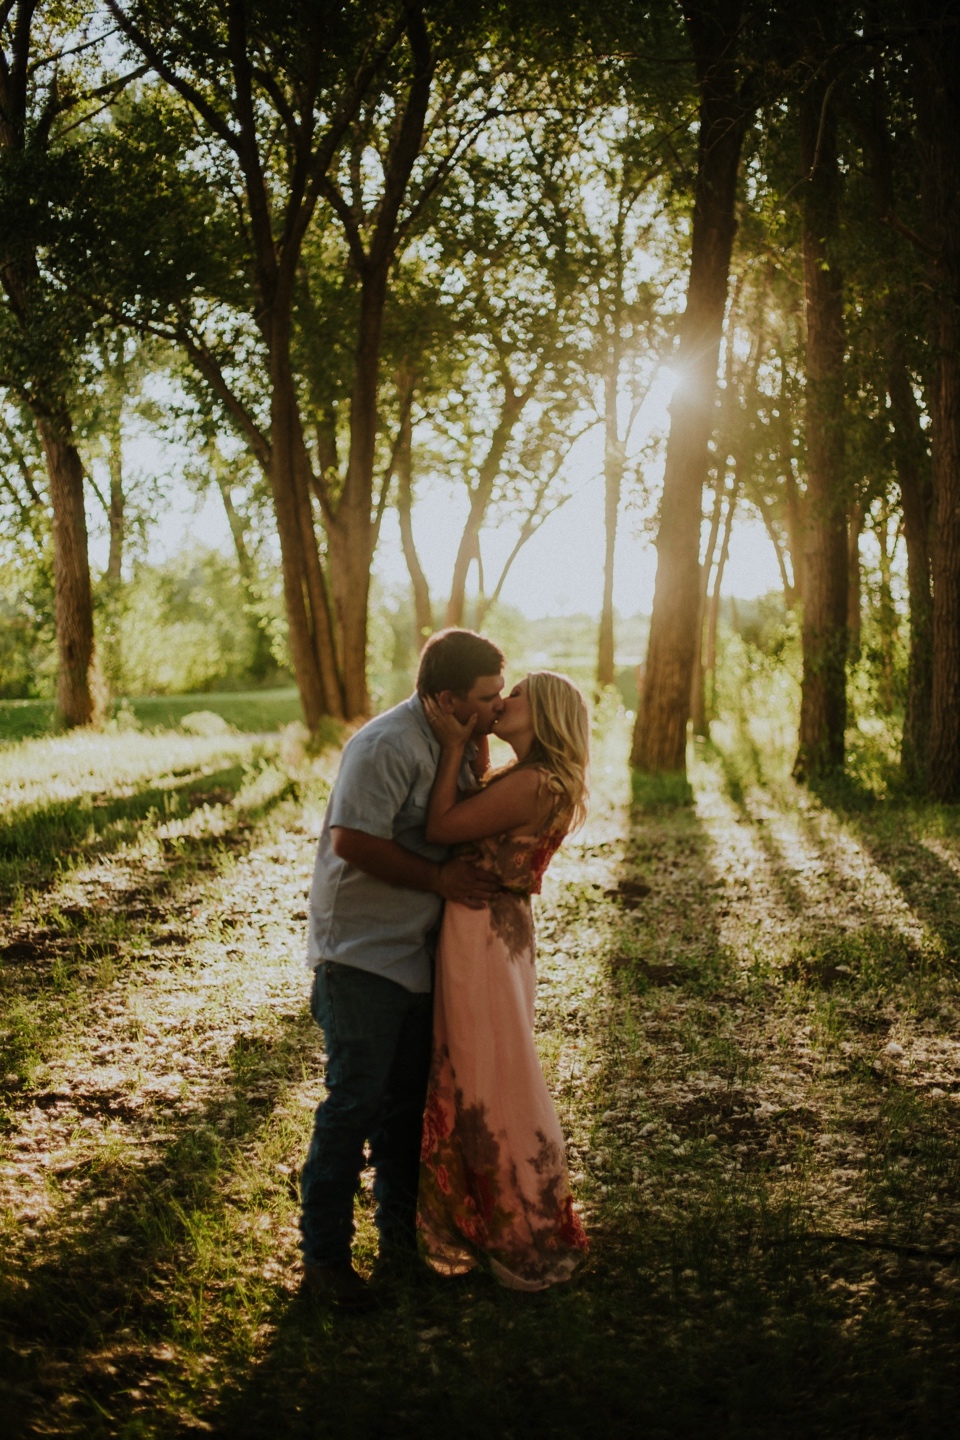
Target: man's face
482,699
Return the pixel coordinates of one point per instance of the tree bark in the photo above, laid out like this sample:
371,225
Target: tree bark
262,661
912,463
823,703
116,510
698,693
938,105
660,736
713,609
71,572
854,584
422,606
310,633
28,146
352,534
514,402
613,463
916,495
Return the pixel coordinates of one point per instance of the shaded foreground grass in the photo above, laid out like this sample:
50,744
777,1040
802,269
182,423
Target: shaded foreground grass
747,1011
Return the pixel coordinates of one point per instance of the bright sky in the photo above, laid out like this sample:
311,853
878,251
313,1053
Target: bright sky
559,572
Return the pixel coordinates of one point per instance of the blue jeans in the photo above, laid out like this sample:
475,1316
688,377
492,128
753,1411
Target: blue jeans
378,1039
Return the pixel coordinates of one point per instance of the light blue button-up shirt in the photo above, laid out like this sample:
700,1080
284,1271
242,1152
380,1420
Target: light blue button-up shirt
383,786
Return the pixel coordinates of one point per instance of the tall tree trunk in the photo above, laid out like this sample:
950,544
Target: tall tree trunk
713,609
823,702
481,494
938,105
309,629
854,581
613,462
71,572
116,510
912,463
916,495
422,606
789,591
698,693
659,742
353,534
262,661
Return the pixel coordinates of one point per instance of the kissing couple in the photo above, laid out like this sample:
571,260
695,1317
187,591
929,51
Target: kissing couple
421,943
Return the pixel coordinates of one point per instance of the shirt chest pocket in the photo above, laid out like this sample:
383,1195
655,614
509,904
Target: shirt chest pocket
413,812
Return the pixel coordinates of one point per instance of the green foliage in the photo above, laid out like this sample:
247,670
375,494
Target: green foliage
757,681
662,791
183,627
27,642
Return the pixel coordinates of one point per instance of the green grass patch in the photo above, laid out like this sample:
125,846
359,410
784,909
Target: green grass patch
664,790
249,711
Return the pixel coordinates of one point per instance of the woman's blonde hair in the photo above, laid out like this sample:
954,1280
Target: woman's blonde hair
561,728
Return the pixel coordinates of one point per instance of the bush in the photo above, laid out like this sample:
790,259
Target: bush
183,628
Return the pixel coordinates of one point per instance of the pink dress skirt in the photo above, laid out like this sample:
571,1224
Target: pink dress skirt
493,1177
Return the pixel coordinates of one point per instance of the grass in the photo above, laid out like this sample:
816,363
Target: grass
250,711
747,1012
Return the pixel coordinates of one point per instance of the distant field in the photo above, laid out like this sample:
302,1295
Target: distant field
247,710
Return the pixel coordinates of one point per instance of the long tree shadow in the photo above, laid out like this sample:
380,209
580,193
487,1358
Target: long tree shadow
36,842
906,840
831,933
53,962
90,1307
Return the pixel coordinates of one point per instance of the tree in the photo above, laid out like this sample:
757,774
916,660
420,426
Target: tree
659,742
341,122
823,706
498,361
44,94
936,75
618,211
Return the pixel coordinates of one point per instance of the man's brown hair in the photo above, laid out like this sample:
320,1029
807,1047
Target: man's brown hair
455,660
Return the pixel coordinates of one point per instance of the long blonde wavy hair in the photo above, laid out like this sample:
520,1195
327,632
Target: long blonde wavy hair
561,746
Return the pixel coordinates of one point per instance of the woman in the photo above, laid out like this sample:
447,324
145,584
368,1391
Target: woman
493,1179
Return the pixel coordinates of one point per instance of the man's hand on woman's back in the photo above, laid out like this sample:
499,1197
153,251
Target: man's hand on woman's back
467,884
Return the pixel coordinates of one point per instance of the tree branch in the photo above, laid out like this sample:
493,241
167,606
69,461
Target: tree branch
96,489
390,470
166,72
210,370
404,152
348,220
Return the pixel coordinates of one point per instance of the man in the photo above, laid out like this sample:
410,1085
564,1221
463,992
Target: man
375,902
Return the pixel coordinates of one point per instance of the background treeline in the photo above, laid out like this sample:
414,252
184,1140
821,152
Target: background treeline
345,254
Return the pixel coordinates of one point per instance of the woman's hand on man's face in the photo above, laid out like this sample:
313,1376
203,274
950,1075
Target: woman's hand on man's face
447,728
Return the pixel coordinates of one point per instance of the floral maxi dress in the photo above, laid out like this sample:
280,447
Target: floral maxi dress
493,1177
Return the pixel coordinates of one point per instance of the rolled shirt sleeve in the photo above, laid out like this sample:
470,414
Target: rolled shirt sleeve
372,789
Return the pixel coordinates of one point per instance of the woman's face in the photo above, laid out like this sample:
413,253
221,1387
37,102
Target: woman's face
515,720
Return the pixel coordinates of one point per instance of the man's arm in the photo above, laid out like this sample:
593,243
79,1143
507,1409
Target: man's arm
386,860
